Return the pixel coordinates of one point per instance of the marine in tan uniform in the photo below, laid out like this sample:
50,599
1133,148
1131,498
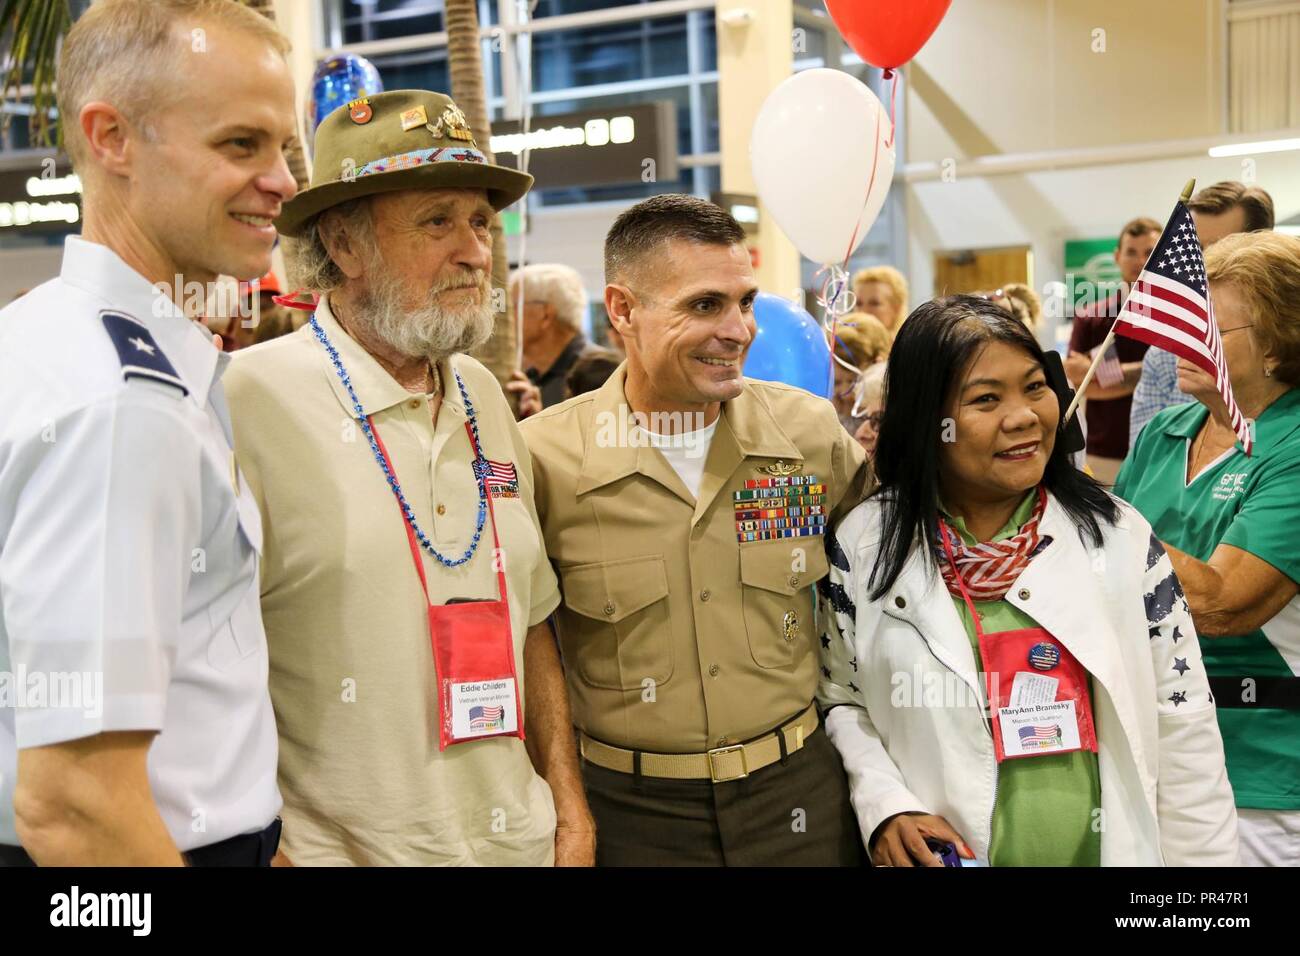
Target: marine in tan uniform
684,508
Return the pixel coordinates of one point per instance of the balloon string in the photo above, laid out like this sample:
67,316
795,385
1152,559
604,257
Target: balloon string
875,155
893,101
838,276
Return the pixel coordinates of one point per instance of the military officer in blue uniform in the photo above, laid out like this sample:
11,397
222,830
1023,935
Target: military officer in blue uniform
135,723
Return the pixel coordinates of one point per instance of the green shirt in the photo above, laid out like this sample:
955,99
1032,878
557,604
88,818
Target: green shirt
1252,504
1043,813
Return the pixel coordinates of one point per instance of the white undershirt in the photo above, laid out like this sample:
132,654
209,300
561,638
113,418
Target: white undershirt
685,451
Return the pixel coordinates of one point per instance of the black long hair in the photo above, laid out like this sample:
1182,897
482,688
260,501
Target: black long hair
933,347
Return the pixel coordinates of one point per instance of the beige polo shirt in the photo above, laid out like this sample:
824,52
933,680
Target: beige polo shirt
351,665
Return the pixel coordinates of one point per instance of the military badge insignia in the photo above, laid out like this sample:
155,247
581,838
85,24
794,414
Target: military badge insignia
790,626
453,125
359,111
414,118
792,506
781,469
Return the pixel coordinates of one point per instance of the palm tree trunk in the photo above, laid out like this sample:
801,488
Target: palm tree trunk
467,89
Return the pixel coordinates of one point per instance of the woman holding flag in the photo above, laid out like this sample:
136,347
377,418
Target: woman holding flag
1230,521
997,675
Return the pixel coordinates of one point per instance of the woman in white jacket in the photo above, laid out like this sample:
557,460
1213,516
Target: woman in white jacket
1010,665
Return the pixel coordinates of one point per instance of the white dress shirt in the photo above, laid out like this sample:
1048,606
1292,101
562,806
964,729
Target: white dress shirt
129,549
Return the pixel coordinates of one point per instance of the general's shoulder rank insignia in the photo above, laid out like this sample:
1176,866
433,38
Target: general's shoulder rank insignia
138,352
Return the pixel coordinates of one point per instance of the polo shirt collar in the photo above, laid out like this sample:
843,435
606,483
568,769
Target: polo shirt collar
376,390
98,270
1277,422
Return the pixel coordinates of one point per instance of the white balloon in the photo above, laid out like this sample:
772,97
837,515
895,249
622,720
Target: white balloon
814,143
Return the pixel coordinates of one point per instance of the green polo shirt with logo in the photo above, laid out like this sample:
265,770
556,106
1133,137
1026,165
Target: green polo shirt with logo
1044,811
1252,504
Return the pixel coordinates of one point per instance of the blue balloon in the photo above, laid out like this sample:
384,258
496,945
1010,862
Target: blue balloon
790,347
337,82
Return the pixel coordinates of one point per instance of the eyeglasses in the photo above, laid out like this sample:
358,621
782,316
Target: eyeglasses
874,420
1237,328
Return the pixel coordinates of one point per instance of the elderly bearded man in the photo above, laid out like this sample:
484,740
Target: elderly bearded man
406,591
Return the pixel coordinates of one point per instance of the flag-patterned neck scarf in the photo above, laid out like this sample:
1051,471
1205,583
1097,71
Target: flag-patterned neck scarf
988,568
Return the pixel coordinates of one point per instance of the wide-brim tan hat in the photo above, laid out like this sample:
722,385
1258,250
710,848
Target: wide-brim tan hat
404,139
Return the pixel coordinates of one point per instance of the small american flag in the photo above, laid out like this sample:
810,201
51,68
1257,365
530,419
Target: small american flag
1169,307
1040,733
482,717
499,475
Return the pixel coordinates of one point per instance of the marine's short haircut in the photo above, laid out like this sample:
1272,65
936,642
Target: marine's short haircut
639,231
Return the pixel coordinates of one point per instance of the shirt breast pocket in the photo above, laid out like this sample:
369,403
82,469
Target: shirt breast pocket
777,579
619,631
238,639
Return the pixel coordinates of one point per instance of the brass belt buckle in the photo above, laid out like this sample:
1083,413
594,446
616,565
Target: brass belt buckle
744,763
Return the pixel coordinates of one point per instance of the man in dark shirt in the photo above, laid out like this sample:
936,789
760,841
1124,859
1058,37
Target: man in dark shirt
554,304
1107,410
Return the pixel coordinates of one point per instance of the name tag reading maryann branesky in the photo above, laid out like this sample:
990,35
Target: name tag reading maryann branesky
1037,729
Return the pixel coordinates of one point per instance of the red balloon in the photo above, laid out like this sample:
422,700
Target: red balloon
887,33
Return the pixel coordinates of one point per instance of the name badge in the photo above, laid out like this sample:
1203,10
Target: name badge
1037,729
484,708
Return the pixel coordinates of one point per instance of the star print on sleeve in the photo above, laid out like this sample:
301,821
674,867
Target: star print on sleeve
1178,697
1180,665
826,641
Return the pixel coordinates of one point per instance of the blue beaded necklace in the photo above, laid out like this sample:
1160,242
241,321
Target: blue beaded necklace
481,466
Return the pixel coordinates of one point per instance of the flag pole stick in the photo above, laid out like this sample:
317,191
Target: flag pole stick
1110,337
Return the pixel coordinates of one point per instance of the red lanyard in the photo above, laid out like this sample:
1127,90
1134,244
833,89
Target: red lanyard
410,532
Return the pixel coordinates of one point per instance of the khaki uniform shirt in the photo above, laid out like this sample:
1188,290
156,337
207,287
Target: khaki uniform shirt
677,637
351,665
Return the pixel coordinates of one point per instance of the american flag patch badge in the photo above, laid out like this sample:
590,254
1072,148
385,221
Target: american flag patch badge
483,718
501,477
792,506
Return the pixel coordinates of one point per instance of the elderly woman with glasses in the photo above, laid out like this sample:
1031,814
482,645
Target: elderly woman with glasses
1010,668
1231,524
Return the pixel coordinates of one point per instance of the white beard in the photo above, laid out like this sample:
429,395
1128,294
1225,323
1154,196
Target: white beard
428,331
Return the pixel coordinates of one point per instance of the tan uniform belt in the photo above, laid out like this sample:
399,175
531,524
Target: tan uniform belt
719,765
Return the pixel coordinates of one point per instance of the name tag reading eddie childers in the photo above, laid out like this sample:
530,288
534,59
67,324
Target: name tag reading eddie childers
483,708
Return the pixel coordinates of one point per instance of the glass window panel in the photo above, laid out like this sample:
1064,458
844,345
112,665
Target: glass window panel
712,132
708,41
684,183
424,70
638,50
